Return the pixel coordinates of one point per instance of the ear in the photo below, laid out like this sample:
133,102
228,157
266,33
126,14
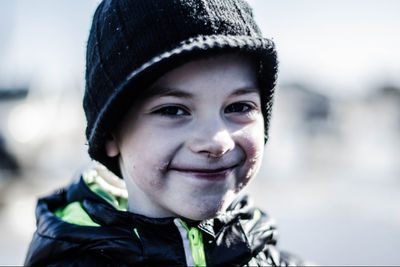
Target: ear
112,148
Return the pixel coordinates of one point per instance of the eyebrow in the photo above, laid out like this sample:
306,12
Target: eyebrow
245,91
159,91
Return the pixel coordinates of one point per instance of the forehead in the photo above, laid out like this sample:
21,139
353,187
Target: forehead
219,73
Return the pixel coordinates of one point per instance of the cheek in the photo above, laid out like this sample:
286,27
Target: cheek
252,139
146,167
143,172
252,142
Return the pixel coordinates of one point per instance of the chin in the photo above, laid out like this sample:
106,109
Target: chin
200,216
207,209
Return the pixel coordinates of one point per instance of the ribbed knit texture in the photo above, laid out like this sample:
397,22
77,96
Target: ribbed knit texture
134,42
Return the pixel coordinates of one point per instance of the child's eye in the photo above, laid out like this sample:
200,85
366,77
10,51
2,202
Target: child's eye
238,108
172,111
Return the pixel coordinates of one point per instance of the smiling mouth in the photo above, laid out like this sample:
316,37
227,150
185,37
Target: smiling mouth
208,174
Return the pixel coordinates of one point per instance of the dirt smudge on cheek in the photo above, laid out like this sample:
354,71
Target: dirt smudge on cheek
156,184
163,167
250,169
158,177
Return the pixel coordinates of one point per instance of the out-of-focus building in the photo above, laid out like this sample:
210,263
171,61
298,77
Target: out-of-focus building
9,165
319,135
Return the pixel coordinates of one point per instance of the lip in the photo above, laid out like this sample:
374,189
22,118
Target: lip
206,174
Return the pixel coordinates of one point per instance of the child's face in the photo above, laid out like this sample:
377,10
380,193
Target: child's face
191,147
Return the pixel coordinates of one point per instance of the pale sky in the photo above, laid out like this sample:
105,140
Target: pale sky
342,45
337,46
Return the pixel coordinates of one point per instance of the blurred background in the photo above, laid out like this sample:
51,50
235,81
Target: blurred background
331,172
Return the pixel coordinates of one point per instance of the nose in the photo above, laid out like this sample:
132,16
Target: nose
212,140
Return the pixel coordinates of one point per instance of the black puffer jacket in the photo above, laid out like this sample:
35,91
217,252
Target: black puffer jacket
85,225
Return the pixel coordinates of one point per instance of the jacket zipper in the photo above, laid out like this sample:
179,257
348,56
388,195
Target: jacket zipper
193,245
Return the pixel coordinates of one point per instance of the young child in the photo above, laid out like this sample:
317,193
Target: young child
178,99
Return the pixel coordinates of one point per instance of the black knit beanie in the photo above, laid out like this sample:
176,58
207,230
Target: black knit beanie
134,42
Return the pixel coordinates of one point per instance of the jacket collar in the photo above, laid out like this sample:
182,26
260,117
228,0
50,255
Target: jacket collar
233,237
242,228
